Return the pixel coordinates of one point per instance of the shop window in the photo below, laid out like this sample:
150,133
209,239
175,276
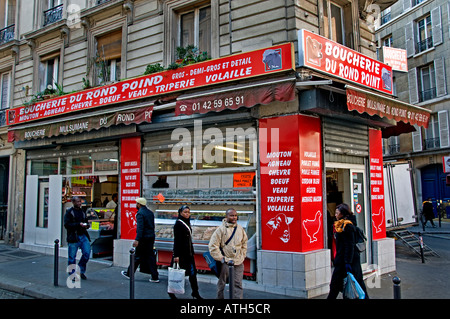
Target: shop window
48,73
106,165
108,57
44,167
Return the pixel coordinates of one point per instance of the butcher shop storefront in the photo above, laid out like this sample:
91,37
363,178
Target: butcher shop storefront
280,144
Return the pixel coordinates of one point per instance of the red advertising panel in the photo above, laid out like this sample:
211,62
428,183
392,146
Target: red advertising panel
324,55
291,185
280,186
234,67
377,185
130,185
311,183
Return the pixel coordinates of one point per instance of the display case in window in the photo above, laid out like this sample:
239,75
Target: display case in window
101,230
203,224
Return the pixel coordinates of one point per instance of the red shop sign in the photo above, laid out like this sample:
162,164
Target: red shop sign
234,67
331,58
377,185
130,185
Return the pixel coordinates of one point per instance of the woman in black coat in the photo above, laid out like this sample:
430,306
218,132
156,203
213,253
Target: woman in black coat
347,256
183,250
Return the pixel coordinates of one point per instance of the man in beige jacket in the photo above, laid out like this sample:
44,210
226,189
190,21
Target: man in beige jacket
235,250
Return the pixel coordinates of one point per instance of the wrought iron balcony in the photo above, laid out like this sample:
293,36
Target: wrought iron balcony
424,45
394,149
7,34
52,15
427,95
432,143
102,1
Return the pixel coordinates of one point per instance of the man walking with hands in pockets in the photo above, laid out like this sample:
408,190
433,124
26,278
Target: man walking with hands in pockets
228,244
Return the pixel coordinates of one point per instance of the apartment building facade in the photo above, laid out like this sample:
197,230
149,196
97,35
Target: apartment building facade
422,29
87,117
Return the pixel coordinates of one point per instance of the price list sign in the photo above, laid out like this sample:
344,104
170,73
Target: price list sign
130,184
377,185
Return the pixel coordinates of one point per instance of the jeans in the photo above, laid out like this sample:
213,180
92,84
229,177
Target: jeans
85,246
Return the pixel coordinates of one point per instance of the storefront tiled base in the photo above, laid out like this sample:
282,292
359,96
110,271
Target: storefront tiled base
304,275
121,254
383,251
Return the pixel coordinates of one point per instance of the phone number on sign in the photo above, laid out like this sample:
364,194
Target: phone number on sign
218,103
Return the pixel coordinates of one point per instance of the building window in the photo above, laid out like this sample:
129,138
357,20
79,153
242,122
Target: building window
195,29
108,57
54,12
7,20
432,133
337,22
48,72
388,42
386,15
424,36
427,83
4,96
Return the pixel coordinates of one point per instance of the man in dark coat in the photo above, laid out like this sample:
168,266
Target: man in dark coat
145,239
428,212
76,223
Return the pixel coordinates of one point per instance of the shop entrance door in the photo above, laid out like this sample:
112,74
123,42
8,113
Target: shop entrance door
346,184
43,210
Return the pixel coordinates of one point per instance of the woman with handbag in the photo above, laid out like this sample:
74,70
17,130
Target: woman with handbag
347,256
183,249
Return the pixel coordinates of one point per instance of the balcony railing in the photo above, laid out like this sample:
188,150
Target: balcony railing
7,34
424,45
102,1
427,95
394,149
432,143
52,15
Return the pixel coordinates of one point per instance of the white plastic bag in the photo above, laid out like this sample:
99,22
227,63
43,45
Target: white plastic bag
176,280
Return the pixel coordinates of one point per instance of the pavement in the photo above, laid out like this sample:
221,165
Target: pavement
31,274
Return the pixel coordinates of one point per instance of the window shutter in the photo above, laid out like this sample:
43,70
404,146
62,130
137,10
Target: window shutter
406,5
448,17
109,46
441,83
409,38
436,26
413,90
443,128
417,139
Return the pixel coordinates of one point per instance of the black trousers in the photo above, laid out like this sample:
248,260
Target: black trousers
145,258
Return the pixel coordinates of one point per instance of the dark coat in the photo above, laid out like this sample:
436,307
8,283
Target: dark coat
428,210
72,224
145,220
182,246
346,253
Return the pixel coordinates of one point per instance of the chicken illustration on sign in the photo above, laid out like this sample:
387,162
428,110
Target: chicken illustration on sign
380,220
280,225
312,226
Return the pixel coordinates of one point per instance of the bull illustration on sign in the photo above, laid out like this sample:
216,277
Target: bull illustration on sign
280,225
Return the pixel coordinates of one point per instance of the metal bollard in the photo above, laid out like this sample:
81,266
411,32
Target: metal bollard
421,247
131,273
397,290
56,263
231,278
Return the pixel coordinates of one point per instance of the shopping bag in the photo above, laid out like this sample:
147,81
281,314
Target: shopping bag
176,280
213,264
352,289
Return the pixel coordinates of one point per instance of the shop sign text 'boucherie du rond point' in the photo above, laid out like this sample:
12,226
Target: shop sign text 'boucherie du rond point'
331,58
234,67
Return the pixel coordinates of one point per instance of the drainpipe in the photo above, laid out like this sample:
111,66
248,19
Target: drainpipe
230,28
